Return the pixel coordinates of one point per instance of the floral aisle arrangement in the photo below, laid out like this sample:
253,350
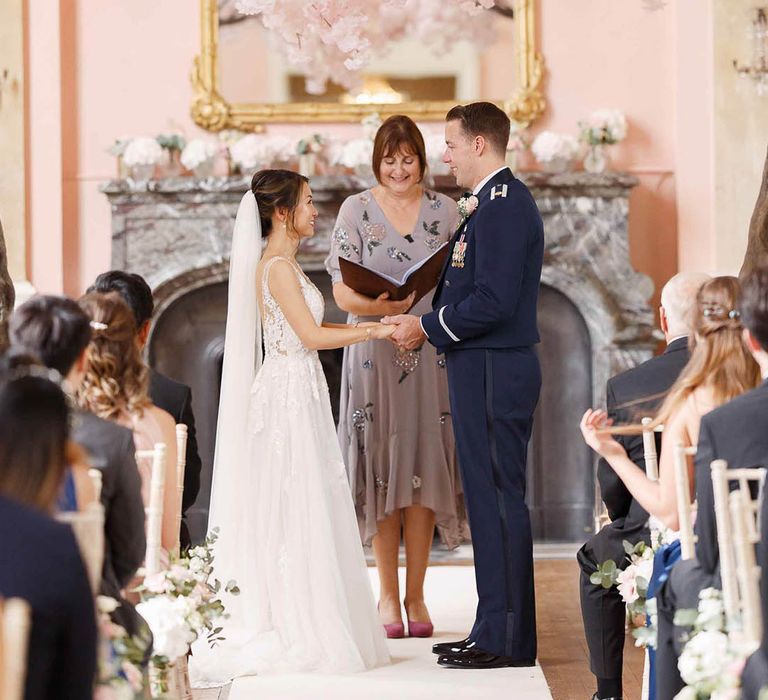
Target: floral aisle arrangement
120,657
712,659
603,128
179,604
632,583
555,151
198,156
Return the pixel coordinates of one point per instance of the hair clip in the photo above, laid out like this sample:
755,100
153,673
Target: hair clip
734,314
99,326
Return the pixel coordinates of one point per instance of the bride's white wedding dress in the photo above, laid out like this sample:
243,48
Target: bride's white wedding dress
291,540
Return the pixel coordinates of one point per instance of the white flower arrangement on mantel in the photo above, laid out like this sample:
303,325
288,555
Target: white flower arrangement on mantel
198,155
142,150
555,151
604,127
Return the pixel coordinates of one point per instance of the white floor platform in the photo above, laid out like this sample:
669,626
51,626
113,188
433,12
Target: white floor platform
450,594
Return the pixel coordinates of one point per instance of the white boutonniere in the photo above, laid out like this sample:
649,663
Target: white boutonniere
466,206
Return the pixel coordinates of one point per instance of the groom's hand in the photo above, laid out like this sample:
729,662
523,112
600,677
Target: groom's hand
408,334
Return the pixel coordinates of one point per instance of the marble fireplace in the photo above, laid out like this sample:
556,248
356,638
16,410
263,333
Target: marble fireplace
593,311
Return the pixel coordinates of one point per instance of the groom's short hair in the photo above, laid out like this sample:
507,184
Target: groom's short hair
483,119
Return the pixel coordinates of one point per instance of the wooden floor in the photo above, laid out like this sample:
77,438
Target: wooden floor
562,649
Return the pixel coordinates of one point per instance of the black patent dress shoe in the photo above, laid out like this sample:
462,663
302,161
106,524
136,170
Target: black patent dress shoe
451,647
477,658
595,697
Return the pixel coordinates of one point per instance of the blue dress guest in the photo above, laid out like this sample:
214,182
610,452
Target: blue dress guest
395,417
483,320
39,558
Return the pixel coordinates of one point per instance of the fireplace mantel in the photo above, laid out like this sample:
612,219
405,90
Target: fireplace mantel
177,234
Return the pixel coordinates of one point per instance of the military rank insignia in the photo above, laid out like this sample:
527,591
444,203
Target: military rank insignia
459,251
499,191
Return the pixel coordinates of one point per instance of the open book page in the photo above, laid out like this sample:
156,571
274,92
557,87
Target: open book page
416,266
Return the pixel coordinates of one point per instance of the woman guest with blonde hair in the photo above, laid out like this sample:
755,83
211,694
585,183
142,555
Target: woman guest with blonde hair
395,429
720,368
115,388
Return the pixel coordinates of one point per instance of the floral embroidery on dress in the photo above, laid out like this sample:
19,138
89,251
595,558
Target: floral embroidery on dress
373,234
381,485
365,197
398,255
416,481
432,241
444,417
441,362
407,361
434,201
361,415
341,239
367,364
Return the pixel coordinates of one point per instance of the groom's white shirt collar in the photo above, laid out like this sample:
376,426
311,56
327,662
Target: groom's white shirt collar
484,181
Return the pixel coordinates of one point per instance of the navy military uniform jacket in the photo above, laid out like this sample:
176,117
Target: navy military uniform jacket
488,298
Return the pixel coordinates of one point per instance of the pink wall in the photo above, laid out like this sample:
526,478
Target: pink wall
125,69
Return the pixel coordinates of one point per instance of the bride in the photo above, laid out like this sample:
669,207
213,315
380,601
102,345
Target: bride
287,529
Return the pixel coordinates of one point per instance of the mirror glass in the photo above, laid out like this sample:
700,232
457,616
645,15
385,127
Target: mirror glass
251,71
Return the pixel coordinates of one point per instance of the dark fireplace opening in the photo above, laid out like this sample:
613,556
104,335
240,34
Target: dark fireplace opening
187,344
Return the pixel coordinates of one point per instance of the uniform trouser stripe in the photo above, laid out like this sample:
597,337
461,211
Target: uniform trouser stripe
498,482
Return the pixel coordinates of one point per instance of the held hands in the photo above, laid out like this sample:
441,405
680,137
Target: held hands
383,306
407,331
378,330
593,429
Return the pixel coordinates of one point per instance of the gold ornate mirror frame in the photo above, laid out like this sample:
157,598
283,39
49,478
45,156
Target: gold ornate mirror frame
211,111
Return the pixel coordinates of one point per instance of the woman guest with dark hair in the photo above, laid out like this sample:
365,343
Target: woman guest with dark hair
395,429
39,558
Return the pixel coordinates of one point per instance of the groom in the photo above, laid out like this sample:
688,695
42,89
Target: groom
484,320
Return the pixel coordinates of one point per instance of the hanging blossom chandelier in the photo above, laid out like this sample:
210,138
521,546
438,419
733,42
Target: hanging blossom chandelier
336,39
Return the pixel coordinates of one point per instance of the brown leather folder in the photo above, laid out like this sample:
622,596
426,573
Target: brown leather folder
421,278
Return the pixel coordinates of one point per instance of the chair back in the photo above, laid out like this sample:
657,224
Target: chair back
744,512
721,476
88,527
154,509
684,505
649,449
181,464
15,622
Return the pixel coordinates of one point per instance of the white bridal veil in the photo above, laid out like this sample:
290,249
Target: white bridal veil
242,359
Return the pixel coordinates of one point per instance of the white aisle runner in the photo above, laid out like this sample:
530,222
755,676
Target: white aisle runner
450,595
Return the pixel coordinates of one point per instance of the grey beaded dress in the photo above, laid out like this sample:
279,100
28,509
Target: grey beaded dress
394,416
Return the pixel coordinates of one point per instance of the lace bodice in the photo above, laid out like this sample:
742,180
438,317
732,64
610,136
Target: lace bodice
279,338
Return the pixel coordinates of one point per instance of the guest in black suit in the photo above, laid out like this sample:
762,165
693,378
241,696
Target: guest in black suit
172,396
39,558
630,396
57,331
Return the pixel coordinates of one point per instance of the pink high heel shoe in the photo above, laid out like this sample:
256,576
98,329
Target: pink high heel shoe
420,629
394,630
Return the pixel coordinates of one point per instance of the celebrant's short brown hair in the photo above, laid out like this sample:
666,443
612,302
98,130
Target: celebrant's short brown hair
483,119
398,133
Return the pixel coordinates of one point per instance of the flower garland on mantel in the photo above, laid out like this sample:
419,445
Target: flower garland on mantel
336,39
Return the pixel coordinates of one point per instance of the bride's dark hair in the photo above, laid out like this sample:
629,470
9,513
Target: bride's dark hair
276,189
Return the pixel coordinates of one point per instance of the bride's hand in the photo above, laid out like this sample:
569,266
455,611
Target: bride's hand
593,429
381,332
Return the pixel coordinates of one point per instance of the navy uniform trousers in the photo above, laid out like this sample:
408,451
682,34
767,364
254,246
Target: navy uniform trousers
493,394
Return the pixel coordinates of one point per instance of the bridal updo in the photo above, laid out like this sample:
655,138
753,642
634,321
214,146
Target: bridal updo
276,189
116,380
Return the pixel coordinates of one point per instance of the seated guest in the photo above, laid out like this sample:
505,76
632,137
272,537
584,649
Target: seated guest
114,387
39,557
738,433
602,609
57,331
165,393
720,368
